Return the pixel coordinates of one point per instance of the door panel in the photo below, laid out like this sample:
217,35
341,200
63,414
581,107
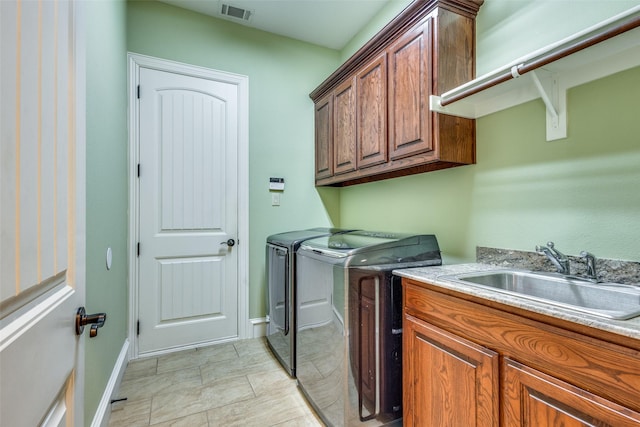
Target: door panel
533,398
42,217
443,371
192,155
409,78
344,137
371,104
324,137
188,210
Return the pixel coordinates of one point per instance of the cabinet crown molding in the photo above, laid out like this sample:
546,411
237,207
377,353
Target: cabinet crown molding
410,16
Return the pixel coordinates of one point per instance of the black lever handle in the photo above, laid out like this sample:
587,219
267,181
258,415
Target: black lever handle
229,242
95,320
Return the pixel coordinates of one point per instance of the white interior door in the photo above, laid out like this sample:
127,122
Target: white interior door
42,213
188,209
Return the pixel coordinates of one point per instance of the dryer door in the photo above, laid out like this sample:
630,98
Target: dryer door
278,285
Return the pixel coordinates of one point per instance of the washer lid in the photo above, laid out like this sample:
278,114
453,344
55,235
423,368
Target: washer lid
357,240
290,238
369,248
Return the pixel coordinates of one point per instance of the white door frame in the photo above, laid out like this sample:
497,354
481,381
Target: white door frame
137,61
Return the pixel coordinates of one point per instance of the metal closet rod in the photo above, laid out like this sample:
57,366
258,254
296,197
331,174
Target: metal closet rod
544,59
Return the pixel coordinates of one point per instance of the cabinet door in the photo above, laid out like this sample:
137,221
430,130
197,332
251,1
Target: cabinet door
324,137
344,127
371,98
532,398
409,77
447,380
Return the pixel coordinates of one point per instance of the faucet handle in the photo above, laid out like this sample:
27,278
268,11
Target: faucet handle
558,254
540,248
591,264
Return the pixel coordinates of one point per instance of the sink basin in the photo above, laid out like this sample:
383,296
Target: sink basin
603,300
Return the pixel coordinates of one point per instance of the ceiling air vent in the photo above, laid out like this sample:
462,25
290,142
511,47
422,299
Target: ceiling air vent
235,12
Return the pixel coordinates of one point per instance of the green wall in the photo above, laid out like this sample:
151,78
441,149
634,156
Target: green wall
281,74
107,191
580,192
382,18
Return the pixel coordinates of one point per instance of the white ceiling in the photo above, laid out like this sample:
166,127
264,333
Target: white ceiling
329,23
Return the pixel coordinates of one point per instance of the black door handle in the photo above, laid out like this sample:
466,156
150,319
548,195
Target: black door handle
95,320
229,242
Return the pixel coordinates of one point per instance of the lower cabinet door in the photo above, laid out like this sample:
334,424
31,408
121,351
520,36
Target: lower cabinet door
448,381
532,398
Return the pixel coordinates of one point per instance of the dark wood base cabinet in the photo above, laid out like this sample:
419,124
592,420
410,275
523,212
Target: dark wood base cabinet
467,364
372,115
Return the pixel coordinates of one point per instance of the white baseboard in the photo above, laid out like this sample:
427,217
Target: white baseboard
101,417
258,327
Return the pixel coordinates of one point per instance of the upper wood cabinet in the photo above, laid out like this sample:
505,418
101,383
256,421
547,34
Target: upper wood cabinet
384,128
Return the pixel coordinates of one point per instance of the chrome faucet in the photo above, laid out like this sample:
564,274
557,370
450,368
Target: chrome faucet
591,265
556,257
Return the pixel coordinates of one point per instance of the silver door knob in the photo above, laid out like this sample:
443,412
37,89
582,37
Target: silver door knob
229,242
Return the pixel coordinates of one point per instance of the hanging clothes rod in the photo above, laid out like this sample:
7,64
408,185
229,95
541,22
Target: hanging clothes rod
608,29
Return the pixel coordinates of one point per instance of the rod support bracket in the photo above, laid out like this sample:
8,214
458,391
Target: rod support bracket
554,97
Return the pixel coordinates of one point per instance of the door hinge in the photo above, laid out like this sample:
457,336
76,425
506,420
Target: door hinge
138,91
138,328
138,248
138,170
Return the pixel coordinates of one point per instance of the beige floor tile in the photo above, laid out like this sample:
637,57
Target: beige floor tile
306,421
250,364
181,403
224,385
196,357
218,352
195,420
266,410
178,360
272,381
161,383
141,368
253,346
132,413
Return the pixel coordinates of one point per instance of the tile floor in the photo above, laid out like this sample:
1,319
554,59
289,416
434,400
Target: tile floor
234,384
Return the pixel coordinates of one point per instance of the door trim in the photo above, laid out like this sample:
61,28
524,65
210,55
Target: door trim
137,61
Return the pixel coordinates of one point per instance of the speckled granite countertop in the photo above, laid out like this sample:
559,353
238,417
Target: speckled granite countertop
437,276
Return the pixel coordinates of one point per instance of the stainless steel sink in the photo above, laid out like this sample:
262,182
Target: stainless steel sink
610,301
